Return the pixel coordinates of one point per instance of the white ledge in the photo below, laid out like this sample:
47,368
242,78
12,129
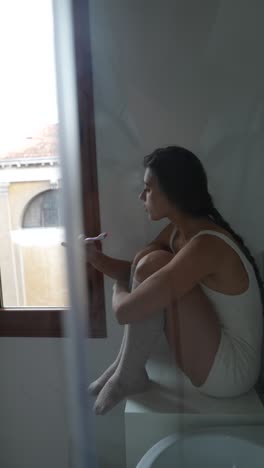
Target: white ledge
172,392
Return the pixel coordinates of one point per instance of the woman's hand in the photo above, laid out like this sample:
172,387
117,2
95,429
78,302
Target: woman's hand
91,250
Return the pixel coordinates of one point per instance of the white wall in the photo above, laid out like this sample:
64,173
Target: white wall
184,72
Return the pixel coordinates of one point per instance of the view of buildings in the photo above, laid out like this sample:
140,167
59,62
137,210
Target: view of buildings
32,260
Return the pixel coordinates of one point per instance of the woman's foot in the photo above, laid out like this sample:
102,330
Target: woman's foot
116,390
96,386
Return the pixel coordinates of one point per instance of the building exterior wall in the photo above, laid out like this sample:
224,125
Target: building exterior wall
32,267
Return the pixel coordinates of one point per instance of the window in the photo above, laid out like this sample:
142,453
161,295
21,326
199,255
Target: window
43,211
37,215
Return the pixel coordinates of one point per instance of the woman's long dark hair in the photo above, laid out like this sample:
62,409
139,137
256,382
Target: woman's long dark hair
183,180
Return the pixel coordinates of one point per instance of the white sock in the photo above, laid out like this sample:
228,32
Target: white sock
96,386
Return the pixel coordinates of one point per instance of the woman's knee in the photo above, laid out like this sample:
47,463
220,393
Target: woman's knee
151,262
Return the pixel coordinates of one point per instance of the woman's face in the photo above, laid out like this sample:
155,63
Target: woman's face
155,202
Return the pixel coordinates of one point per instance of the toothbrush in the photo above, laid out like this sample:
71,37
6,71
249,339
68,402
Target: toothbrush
100,237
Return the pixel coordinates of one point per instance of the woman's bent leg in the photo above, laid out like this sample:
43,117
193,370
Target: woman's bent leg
191,325
130,376
193,332
192,329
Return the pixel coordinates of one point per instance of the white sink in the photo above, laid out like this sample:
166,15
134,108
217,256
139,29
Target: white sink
222,447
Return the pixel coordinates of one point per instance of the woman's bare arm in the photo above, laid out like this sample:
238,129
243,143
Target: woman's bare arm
197,260
120,269
112,267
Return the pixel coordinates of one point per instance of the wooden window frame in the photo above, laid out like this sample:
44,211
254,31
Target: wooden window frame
47,322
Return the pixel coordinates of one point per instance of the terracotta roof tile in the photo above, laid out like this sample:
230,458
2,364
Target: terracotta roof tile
44,144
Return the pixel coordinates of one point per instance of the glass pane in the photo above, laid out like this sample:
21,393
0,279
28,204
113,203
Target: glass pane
32,260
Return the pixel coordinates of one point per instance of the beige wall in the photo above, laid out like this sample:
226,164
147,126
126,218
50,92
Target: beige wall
32,275
44,273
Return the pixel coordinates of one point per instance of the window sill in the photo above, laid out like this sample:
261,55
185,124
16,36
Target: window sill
37,322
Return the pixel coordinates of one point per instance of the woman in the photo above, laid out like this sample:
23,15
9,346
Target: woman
199,275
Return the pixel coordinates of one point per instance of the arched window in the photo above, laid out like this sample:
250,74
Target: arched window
43,211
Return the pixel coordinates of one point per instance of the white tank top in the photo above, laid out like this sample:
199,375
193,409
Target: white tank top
240,315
